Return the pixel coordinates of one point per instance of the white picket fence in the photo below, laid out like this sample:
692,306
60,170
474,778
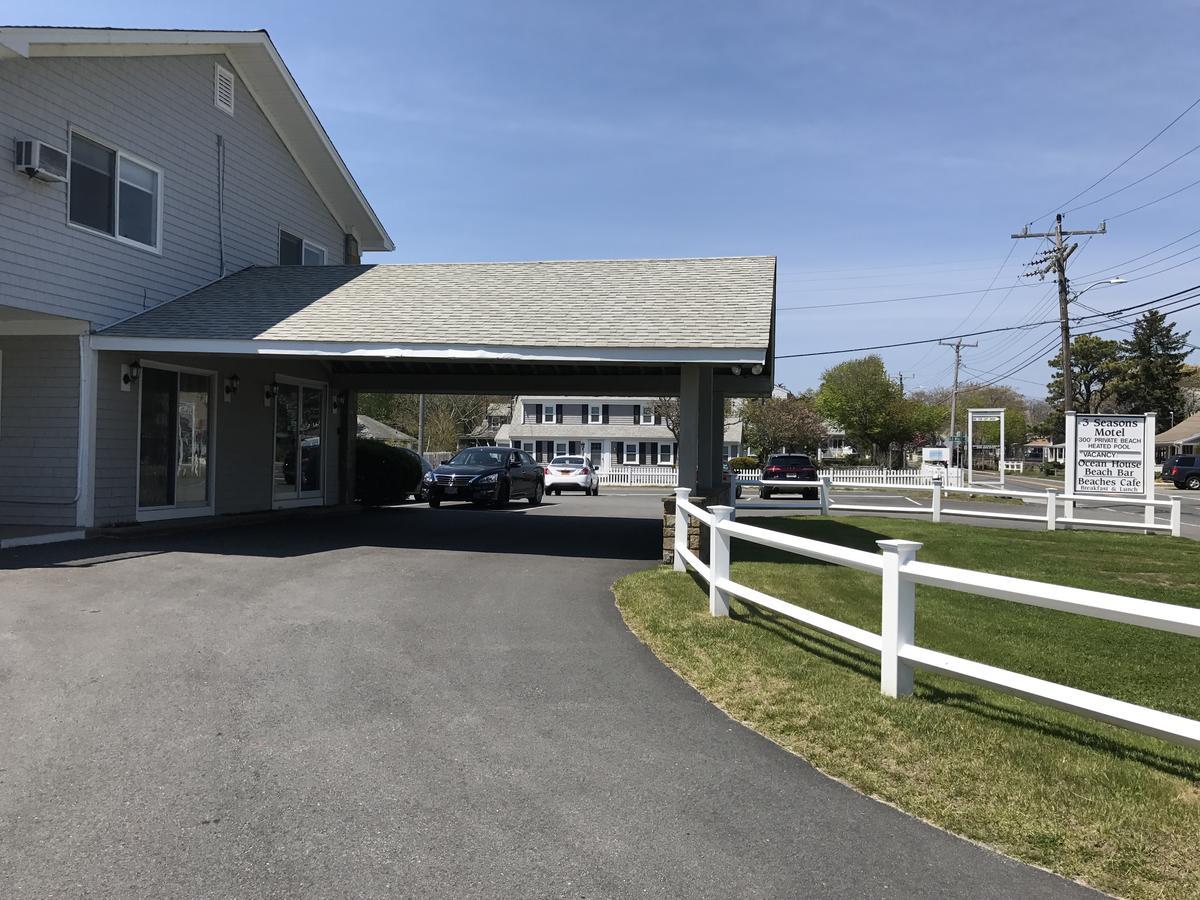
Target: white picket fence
641,476
896,644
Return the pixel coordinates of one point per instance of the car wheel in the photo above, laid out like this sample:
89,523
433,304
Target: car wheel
765,493
502,497
596,490
434,503
535,498
738,493
1193,482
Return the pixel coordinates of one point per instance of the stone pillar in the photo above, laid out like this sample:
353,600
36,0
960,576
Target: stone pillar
696,542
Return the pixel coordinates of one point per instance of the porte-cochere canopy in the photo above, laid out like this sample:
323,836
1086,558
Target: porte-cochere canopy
600,326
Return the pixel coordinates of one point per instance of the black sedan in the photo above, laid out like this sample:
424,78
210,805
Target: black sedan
486,475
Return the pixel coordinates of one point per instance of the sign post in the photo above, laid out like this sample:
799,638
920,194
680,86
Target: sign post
984,415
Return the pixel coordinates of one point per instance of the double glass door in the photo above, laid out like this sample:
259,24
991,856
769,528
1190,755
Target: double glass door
299,426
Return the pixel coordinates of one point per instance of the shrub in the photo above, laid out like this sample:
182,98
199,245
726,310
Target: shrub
384,474
743,462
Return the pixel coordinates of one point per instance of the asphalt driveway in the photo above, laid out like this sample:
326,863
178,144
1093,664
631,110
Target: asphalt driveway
405,703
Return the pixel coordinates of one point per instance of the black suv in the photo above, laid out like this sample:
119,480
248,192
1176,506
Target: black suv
1183,471
486,475
790,467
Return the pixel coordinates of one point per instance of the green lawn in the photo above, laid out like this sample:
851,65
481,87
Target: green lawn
1118,810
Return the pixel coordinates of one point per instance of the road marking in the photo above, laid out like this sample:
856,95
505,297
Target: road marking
912,501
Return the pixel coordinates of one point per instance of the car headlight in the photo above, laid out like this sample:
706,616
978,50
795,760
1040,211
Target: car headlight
488,479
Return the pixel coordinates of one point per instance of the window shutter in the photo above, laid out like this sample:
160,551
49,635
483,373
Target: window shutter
558,411
618,453
537,412
637,414
604,413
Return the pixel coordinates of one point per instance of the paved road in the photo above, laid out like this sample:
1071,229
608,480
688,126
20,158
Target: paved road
405,703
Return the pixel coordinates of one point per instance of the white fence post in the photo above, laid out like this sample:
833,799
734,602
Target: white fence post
899,617
718,561
826,483
937,498
1051,509
1176,517
1149,519
681,528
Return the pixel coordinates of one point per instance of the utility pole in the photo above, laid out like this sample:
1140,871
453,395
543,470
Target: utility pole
1055,261
902,376
957,345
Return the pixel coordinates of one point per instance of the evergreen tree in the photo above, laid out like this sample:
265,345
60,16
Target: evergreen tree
1153,360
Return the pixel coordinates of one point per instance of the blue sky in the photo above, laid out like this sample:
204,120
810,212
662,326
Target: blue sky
879,149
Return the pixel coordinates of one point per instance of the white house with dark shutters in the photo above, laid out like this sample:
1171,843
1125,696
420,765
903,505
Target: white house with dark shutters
612,431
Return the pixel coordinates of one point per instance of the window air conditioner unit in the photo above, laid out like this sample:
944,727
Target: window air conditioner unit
41,161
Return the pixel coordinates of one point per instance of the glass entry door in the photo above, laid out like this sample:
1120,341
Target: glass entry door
299,427
173,439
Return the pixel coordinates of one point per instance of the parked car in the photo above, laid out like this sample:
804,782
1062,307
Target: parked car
790,467
571,473
486,475
1183,472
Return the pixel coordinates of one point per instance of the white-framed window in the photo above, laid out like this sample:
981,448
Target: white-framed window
549,410
631,454
560,448
114,193
665,455
595,414
527,446
646,415
728,452
296,251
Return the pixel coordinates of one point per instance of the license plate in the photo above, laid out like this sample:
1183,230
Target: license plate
564,471
450,491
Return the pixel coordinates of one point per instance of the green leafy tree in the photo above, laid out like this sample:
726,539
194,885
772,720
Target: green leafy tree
447,416
859,396
775,423
1097,370
1153,361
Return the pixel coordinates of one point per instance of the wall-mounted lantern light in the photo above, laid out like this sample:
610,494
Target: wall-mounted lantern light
336,400
270,393
130,374
232,383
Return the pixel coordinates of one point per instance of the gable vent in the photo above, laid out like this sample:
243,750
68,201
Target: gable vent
223,90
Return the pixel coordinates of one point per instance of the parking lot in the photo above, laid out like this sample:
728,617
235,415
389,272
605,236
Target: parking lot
405,702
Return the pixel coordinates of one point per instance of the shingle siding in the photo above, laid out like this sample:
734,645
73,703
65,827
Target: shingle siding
39,429
160,109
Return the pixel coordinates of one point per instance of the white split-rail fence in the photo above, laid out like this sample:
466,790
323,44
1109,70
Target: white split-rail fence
1052,517
899,653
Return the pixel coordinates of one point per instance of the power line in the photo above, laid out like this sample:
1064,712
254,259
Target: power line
1186,187
1123,162
895,299
1132,183
950,337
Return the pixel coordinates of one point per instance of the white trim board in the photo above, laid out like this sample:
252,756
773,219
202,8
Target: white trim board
452,352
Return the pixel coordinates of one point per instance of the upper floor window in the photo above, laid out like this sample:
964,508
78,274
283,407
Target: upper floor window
647,414
296,251
114,193
595,414
548,411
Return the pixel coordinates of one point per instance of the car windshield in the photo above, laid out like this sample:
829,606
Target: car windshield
480,456
790,461
567,461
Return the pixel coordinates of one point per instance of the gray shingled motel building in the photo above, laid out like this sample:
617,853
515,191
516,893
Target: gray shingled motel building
186,322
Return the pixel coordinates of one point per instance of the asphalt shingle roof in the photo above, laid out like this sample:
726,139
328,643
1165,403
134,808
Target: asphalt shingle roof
689,303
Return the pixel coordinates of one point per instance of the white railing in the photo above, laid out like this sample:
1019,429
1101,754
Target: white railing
1054,519
643,476
899,653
